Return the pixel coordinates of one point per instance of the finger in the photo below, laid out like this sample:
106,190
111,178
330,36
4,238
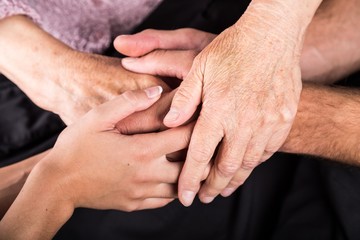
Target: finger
108,114
277,139
150,120
206,172
187,97
165,142
148,40
162,190
275,142
166,172
236,181
266,155
175,63
203,143
256,148
152,203
227,163
252,158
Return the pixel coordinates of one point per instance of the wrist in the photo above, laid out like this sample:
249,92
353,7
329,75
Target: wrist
41,208
284,20
31,58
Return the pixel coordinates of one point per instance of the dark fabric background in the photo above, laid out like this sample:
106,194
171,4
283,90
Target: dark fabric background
288,197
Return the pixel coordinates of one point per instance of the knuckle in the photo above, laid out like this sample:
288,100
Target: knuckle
183,95
250,162
136,194
200,156
148,31
187,31
288,113
145,152
271,119
191,183
148,80
228,168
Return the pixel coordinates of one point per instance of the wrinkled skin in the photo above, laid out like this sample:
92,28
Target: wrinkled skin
91,80
250,127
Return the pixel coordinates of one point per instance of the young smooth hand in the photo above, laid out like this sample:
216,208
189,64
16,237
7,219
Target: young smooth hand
93,165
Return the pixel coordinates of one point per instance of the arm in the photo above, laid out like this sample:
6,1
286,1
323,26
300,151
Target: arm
58,78
40,209
71,175
334,24
326,124
13,178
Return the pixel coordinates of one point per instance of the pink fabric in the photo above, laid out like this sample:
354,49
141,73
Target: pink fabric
85,25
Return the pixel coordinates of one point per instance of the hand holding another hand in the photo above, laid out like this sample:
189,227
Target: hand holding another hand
249,84
97,167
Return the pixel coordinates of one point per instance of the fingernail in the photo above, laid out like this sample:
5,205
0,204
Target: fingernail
128,60
207,199
188,198
172,115
227,192
153,92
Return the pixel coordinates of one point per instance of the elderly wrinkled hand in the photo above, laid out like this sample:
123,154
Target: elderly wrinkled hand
90,80
248,81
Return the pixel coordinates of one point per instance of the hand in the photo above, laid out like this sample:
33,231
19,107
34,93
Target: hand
97,167
186,43
58,78
91,80
250,127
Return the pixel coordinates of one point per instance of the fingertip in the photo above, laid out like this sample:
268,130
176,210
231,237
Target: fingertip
128,61
172,116
227,192
118,42
187,198
207,199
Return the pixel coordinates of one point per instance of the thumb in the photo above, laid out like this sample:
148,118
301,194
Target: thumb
108,114
187,98
148,40
162,63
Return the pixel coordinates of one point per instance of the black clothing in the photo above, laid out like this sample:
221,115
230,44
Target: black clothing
288,197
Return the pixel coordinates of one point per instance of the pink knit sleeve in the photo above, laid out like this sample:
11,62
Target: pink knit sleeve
86,25
16,7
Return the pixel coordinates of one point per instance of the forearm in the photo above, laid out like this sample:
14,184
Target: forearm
326,124
40,208
31,58
331,47
291,16
13,178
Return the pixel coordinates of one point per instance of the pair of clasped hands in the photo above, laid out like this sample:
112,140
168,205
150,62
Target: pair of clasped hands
232,111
